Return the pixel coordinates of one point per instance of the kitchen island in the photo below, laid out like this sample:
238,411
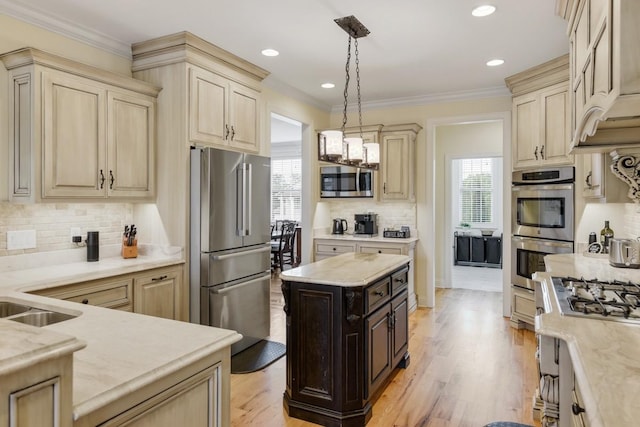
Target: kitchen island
347,330
604,354
114,367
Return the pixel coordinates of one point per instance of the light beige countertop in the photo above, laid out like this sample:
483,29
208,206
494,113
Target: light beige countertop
43,270
348,269
360,238
124,351
605,354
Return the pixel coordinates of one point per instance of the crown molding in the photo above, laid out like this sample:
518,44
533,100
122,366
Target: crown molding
64,27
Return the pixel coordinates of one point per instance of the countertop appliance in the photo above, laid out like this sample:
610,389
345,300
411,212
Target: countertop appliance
230,251
624,253
595,299
366,224
345,181
340,225
542,219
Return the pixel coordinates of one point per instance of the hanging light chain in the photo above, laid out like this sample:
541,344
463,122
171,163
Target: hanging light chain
346,87
358,86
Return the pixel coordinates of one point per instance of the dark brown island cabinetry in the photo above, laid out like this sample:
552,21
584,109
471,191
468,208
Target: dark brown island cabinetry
343,342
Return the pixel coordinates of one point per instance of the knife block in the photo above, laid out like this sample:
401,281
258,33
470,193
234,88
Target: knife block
129,251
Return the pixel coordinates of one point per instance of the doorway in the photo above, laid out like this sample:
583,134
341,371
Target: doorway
286,177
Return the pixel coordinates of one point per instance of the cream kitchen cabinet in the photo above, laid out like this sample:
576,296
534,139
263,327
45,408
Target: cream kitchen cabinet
397,162
77,131
159,292
541,115
523,307
223,113
599,184
605,63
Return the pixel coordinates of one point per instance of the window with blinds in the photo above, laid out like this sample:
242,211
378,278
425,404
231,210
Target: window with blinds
475,184
286,189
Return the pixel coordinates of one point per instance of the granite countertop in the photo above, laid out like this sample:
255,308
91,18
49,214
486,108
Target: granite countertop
348,269
122,351
361,238
605,354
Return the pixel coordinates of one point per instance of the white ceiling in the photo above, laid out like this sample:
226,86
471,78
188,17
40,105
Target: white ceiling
418,50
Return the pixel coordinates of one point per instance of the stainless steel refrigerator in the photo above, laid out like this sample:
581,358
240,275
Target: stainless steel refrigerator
230,249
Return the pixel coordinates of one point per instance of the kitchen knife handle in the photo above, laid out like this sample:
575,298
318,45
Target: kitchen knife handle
111,179
101,179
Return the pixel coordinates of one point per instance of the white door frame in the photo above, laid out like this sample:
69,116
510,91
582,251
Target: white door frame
428,221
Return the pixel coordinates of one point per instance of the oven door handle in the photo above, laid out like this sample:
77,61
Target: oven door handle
539,243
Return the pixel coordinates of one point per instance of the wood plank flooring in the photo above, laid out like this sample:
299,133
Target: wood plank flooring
468,368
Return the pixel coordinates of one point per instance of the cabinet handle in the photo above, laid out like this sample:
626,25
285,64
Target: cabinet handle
379,293
542,152
391,321
101,179
85,301
535,153
111,179
155,279
588,181
576,409
384,188
401,280
233,132
226,134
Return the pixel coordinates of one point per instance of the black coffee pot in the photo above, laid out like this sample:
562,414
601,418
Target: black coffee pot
339,226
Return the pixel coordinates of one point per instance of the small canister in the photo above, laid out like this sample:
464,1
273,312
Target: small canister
592,237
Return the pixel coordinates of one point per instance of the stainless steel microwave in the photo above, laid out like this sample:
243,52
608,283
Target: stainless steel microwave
345,181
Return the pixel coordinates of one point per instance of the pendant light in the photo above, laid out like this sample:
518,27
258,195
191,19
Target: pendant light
332,144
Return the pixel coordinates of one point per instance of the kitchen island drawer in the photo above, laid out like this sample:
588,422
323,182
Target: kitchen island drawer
399,281
380,250
110,293
335,248
378,294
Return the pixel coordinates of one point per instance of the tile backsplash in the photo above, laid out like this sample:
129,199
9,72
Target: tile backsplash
390,215
53,222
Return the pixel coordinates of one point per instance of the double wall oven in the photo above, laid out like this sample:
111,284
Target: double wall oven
542,219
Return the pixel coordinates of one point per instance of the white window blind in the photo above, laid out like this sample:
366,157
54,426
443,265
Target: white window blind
476,183
286,189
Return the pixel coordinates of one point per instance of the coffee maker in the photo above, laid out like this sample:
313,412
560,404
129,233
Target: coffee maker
366,224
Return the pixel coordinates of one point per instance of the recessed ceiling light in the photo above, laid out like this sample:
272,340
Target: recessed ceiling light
495,62
328,85
484,10
270,52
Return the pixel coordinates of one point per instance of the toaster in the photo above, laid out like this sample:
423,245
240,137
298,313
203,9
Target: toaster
624,253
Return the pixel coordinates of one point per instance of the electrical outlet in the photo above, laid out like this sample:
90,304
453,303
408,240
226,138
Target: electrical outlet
23,239
75,231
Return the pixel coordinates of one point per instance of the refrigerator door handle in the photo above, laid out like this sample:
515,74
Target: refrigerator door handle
223,291
247,199
241,200
235,254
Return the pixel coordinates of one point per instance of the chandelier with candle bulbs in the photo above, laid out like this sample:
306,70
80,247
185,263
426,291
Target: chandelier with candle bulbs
333,146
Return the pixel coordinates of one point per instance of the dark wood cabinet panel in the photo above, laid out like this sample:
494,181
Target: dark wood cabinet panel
342,344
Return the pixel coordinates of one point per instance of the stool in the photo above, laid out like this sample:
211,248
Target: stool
506,424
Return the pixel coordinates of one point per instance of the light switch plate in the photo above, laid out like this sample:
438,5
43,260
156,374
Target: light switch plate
23,239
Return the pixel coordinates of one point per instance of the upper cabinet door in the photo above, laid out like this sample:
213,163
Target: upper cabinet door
556,115
74,163
526,130
208,94
243,118
130,134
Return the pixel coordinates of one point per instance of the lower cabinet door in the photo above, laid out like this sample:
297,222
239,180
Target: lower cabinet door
400,322
378,341
158,294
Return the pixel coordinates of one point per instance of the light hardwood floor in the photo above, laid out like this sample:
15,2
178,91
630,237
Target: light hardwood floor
468,368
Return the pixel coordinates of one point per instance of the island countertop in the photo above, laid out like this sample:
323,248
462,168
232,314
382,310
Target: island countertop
348,269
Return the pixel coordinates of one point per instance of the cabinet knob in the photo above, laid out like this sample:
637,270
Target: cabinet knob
379,251
85,301
334,249
576,409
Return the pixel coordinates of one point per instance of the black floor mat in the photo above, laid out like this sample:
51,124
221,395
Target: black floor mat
256,357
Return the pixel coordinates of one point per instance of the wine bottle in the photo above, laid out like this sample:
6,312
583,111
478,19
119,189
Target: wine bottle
606,234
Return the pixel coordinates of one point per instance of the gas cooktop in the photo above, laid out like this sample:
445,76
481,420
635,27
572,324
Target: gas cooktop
596,299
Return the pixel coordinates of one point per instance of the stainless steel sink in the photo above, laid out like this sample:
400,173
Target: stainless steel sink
37,317
29,315
8,308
